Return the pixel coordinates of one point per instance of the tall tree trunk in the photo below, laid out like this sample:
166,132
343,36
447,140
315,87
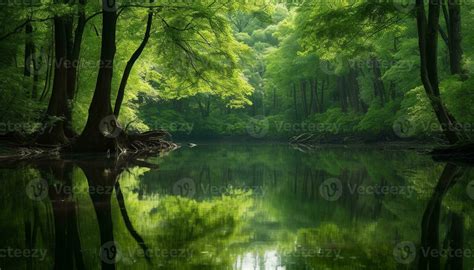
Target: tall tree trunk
208,106
49,71
94,138
379,87
34,90
354,93
31,63
130,63
303,94
431,217
295,102
28,49
57,103
454,37
274,99
201,108
341,86
311,96
323,85
74,50
315,104
428,44
455,240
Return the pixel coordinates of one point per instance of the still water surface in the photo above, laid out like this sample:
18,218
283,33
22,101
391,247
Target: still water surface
239,206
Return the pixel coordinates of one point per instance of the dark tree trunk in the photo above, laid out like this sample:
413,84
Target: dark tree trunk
311,96
341,87
57,103
431,217
101,177
67,250
28,50
201,108
315,104
30,62
454,37
455,241
303,94
323,85
208,106
49,69
130,63
379,87
428,43
93,138
354,93
34,90
74,49
274,99
295,102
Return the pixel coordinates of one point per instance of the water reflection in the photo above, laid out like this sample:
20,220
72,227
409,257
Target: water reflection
238,207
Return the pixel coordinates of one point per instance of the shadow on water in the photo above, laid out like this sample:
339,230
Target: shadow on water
56,184
239,207
430,226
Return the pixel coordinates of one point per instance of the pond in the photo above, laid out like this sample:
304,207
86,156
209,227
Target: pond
239,206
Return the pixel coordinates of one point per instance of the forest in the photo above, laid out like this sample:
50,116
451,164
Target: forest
236,134
335,71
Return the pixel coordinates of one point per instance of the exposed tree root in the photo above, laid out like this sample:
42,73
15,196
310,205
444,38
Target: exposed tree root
132,145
